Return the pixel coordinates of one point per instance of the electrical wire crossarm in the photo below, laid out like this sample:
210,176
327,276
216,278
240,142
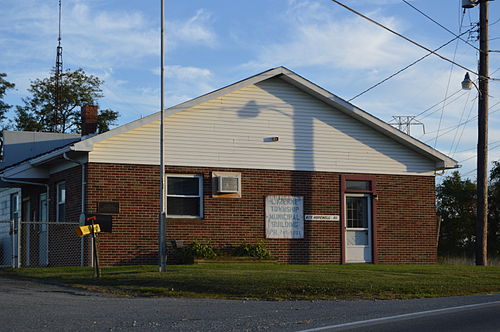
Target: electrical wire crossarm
408,39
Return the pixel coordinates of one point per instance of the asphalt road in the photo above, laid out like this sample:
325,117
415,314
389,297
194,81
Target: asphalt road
31,306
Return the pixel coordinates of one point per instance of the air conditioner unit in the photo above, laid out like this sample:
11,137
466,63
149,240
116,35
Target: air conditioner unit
228,184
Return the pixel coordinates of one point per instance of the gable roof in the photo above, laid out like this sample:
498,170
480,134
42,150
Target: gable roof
442,161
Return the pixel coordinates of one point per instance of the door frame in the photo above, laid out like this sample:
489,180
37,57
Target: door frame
43,232
26,218
374,198
368,230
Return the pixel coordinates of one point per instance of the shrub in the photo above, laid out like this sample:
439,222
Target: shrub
257,250
199,250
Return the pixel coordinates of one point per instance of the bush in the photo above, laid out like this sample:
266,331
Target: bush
198,250
258,250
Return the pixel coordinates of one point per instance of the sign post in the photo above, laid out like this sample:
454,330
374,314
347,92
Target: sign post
92,229
97,269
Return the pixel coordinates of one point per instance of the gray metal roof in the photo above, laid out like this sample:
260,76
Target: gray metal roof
22,145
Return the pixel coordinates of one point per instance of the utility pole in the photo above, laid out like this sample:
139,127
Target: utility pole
482,131
482,142
162,218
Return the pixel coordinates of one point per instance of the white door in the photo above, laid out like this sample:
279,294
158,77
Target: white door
358,228
26,229
43,235
15,213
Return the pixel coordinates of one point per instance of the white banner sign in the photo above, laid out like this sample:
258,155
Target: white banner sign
319,217
284,217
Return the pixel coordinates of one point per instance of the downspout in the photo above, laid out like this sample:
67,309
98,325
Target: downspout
47,188
82,211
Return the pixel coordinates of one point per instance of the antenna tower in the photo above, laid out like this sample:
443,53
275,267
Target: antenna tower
404,122
58,77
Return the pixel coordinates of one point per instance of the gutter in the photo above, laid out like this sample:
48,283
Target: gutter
49,156
47,187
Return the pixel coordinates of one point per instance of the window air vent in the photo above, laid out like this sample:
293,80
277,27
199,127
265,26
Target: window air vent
228,184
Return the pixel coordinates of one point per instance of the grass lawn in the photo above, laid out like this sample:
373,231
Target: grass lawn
279,282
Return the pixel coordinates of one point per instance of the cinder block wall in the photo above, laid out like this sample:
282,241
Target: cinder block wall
406,219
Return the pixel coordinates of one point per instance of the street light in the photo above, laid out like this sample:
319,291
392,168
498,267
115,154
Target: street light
467,83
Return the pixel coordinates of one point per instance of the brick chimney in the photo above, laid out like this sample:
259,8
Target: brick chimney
89,120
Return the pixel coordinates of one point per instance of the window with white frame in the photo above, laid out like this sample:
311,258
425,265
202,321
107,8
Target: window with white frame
61,201
184,196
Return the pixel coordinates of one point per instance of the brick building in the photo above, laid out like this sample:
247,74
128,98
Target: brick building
273,157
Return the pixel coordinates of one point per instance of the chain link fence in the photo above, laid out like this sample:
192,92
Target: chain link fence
7,244
42,244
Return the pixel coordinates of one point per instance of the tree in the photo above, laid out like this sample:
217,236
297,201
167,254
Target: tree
39,112
494,211
456,205
4,86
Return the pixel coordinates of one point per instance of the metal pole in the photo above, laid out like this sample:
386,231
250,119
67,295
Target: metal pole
13,239
19,242
97,268
482,142
162,221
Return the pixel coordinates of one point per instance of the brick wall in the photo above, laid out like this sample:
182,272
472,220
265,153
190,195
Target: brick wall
405,215
406,218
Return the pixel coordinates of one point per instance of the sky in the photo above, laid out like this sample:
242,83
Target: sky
211,44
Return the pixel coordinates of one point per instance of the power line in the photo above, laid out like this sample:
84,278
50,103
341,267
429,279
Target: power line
442,26
498,20
475,156
403,69
474,148
454,127
474,170
451,102
463,128
460,120
411,41
442,101
402,36
449,81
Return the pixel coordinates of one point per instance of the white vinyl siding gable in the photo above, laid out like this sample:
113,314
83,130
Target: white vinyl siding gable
235,131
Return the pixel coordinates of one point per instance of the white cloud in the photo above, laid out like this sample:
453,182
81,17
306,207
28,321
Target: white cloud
92,37
187,82
195,30
318,37
132,101
117,45
188,73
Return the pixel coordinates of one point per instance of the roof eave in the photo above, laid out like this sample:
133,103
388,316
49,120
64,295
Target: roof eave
442,161
49,156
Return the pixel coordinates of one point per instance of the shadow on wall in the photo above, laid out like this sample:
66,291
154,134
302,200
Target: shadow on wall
301,181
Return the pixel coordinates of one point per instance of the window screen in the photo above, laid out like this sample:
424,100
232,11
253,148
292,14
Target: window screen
184,196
